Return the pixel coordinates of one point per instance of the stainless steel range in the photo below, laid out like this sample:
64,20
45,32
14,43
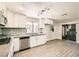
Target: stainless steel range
4,45
4,39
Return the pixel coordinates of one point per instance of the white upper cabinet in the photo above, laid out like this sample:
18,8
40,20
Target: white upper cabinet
32,27
15,20
41,23
10,19
28,27
48,21
20,21
35,27
3,9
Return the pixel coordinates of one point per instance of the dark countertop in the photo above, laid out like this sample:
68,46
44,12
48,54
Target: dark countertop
35,34
20,35
27,35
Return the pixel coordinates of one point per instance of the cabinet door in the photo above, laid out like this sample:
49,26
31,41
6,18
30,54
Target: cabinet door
3,9
21,21
1,6
48,21
11,50
41,23
16,20
44,38
29,27
41,40
35,27
29,30
33,41
16,44
10,18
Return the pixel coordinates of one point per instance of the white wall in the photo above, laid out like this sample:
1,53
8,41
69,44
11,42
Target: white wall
77,27
57,34
58,31
48,32
77,35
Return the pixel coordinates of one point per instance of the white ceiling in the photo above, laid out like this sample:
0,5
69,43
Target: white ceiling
56,9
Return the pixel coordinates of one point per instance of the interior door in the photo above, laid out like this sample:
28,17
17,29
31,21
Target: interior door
69,32
72,32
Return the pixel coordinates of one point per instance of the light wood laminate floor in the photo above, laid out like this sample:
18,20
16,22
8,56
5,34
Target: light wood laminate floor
55,48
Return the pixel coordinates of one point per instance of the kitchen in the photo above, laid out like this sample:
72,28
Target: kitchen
24,26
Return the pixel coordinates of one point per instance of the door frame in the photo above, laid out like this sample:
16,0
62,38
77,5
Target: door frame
68,24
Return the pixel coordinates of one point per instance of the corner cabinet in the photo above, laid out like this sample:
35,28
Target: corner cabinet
37,40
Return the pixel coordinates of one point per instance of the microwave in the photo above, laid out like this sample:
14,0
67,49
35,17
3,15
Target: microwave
3,20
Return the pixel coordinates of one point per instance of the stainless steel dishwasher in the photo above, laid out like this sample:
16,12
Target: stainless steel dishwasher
24,43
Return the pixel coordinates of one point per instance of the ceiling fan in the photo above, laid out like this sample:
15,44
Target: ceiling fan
47,8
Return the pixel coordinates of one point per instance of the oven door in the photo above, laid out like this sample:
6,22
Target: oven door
4,46
4,41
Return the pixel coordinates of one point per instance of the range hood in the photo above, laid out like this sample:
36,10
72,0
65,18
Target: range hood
3,19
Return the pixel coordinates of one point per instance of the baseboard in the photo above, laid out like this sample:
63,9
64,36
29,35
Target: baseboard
53,40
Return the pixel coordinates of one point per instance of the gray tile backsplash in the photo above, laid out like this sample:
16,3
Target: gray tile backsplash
13,31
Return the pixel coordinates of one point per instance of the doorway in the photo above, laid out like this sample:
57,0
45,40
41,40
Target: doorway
69,32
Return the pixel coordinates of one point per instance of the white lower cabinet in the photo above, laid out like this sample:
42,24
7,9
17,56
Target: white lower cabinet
37,40
16,44
41,40
33,41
